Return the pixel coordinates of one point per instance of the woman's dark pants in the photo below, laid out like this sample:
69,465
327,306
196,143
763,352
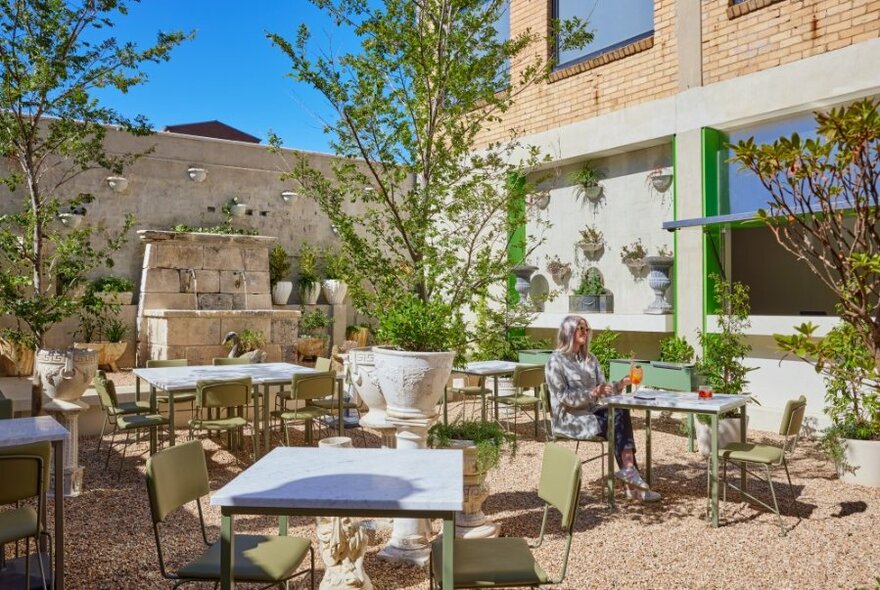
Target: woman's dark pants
623,431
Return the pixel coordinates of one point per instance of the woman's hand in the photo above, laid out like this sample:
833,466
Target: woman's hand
603,390
622,384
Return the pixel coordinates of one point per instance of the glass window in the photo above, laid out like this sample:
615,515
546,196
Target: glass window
614,23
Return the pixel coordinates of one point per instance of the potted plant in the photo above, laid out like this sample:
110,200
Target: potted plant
658,279
560,271
633,255
309,286
481,443
247,343
235,208
113,289
587,180
658,179
359,333
279,269
313,337
101,330
721,364
592,240
591,295
336,273
852,397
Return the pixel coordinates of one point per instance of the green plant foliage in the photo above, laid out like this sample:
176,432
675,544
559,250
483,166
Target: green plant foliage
592,235
248,340
112,284
724,351
489,438
422,326
633,251
314,323
307,259
116,330
602,345
336,266
586,176
420,202
676,349
591,283
279,264
501,331
223,228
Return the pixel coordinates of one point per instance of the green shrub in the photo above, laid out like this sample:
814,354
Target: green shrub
602,345
312,323
112,284
676,349
591,283
418,326
115,330
308,265
337,266
279,264
489,438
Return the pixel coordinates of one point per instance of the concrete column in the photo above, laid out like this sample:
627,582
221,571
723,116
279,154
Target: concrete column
689,35
689,250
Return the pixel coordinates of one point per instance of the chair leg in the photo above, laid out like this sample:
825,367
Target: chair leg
103,426
775,504
286,432
791,490
110,447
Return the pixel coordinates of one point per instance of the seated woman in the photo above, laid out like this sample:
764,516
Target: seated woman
576,385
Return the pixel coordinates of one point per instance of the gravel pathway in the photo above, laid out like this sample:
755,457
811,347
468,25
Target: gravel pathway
665,545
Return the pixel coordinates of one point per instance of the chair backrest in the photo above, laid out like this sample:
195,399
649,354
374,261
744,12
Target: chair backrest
223,393
322,363
308,386
792,420
225,360
5,408
25,471
528,376
175,476
106,390
560,483
165,363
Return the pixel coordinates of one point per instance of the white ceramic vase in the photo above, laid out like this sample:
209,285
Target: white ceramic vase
412,382
281,292
65,374
334,291
308,294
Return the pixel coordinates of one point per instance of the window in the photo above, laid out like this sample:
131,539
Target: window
614,23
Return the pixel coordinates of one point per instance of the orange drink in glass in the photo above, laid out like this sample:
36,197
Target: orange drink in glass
635,375
704,392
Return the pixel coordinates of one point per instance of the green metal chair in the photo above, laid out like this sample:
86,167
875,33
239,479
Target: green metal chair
119,409
323,365
509,561
179,475
25,472
213,396
525,377
553,435
179,398
306,388
122,419
749,454
471,393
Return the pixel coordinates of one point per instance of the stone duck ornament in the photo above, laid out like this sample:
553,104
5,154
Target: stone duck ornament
253,356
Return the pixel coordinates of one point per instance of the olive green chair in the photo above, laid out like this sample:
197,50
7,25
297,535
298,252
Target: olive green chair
219,361
179,475
179,397
214,397
555,436
118,409
121,419
299,403
472,395
508,561
525,377
767,456
25,472
5,408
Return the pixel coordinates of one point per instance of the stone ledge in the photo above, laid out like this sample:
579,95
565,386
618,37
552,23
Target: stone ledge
155,235
743,8
605,58
223,313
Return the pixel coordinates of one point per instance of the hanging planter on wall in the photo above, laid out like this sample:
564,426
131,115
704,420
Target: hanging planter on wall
196,174
541,200
560,271
659,180
587,180
117,184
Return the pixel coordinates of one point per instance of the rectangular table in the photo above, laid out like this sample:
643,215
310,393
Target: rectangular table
483,369
307,481
184,379
678,402
24,431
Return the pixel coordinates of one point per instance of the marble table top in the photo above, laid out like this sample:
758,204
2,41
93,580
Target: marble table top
184,378
674,400
24,431
349,478
490,368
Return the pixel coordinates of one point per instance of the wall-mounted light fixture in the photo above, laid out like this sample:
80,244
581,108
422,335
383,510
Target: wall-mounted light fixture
71,219
117,183
197,174
288,196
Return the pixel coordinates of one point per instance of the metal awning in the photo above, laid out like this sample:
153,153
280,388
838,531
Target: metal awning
713,220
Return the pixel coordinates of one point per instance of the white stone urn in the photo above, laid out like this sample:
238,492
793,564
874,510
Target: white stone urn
412,382
862,462
65,374
308,294
364,379
728,432
281,292
471,523
334,291
658,280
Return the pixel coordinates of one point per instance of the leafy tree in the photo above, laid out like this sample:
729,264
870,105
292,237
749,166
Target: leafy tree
54,55
824,206
433,201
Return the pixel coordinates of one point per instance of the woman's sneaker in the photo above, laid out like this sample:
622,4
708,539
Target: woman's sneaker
631,476
643,495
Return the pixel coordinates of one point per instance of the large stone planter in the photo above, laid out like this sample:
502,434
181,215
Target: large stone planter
363,376
728,432
334,291
65,374
591,303
658,280
108,352
862,462
412,382
471,523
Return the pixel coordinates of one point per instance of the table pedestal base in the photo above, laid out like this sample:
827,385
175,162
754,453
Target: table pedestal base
67,413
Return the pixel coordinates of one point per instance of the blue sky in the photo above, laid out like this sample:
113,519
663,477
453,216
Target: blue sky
230,72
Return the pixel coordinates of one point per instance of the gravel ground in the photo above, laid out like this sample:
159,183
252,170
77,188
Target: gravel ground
109,541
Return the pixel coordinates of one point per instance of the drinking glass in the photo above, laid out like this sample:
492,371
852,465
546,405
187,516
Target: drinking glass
635,375
704,392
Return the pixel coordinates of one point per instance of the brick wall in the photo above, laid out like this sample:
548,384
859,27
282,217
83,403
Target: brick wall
639,74
761,34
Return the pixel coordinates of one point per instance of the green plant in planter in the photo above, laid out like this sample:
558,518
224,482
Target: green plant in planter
308,265
587,180
676,349
112,284
489,438
279,264
336,266
115,330
591,284
420,326
314,323
664,251
633,252
248,341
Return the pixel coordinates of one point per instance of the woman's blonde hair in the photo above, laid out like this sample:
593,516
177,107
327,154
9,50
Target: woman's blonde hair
565,336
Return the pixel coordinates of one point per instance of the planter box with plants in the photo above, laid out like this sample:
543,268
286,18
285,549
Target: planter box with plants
586,180
101,330
633,255
309,285
591,296
313,338
279,270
